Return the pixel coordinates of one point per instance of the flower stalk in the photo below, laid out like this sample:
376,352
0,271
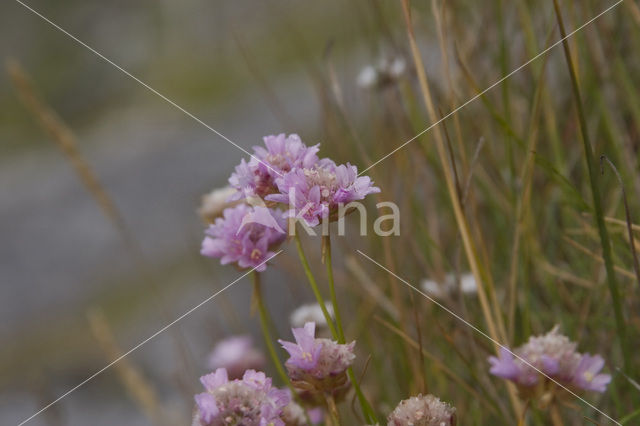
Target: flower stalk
364,404
314,286
326,252
264,325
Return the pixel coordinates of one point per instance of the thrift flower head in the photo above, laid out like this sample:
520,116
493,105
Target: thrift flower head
243,236
439,290
310,313
385,72
295,415
421,410
236,354
315,193
214,203
554,355
251,401
280,155
317,364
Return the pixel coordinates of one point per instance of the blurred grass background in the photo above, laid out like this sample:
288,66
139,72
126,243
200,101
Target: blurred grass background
252,68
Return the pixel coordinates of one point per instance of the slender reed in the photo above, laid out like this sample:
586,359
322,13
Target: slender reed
131,377
595,192
627,212
496,332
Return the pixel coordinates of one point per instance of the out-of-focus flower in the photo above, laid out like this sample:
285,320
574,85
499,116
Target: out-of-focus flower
368,77
421,410
281,154
214,203
317,364
251,401
295,415
554,355
310,313
385,72
316,415
236,354
315,193
439,290
234,239
586,374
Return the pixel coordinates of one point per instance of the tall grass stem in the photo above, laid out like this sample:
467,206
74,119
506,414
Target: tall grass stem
595,191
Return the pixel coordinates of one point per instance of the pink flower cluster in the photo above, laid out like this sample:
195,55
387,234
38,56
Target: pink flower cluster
287,171
236,354
245,235
422,410
251,401
317,364
554,355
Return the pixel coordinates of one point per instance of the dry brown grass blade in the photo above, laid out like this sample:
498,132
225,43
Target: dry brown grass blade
616,221
436,362
65,140
565,276
523,203
369,286
133,381
627,212
597,257
498,332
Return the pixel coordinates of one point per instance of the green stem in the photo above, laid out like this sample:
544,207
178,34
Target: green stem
595,191
314,286
366,408
264,324
364,404
326,246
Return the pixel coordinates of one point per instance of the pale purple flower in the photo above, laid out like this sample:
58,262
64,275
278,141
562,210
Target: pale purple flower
311,313
421,410
280,155
305,352
251,401
465,283
316,415
554,355
385,72
214,203
236,354
586,374
295,415
315,193
234,239
316,363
